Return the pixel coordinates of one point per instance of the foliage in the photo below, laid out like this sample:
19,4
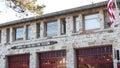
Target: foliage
21,6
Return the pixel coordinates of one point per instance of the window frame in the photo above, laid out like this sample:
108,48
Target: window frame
38,30
63,26
15,38
46,28
84,22
105,23
75,21
8,35
28,27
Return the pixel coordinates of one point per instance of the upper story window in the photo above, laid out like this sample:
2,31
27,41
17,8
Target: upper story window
107,20
38,30
92,21
76,23
28,32
19,33
63,26
8,35
52,28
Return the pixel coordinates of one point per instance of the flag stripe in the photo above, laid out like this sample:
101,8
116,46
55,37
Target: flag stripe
111,11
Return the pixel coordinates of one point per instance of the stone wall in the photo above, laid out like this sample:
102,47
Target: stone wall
68,42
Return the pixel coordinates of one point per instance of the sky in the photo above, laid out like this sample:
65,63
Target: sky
57,5
51,6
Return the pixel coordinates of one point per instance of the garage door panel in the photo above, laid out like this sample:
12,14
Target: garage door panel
95,57
55,59
18,61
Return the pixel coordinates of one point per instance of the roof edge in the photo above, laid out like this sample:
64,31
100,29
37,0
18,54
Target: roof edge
81,8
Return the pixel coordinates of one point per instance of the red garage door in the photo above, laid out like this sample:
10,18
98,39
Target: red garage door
18,61
118,65
95,57
55,59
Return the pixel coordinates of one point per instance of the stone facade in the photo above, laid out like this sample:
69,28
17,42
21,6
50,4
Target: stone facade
69,42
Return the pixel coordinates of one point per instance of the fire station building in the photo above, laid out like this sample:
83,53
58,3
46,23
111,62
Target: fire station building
74,38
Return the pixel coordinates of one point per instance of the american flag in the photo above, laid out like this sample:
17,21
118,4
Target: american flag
110,8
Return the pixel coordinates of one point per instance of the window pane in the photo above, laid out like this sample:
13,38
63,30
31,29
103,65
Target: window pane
107,20
38,30
19,33
92,21
52,28
8,35
76,24
28,32
63,26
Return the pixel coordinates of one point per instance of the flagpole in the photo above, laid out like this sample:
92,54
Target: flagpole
117,12
116,4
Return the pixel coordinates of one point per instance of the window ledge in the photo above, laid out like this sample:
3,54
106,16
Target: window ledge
53,37
109,30
60,36
75,33
18,41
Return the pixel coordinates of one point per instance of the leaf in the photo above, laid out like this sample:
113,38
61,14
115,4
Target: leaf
28,5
